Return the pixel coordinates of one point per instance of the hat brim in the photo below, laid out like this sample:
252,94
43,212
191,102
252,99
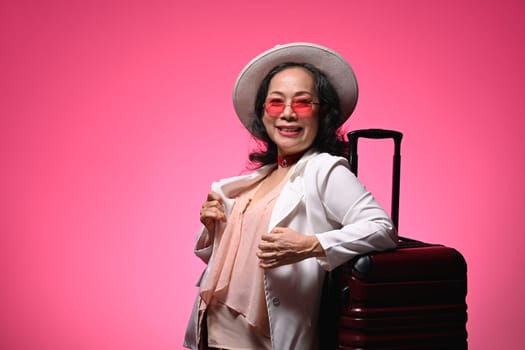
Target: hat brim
333,65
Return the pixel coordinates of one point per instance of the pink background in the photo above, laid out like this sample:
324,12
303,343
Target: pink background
115,116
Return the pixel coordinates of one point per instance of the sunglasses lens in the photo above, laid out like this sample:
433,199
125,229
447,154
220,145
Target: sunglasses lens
302,106
274,107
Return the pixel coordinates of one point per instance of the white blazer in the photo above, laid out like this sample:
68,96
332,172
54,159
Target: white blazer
322,197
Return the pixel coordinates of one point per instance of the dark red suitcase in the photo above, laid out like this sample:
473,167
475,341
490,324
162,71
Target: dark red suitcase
413,297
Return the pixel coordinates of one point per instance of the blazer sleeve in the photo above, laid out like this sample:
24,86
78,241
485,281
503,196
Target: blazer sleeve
361,224
204,245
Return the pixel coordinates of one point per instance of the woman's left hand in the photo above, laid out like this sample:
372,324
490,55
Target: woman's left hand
284,246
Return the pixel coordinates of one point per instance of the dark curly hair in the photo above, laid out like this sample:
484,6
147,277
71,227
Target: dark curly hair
327,139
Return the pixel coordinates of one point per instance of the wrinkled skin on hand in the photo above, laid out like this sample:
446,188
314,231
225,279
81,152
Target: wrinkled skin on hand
212,211
284,246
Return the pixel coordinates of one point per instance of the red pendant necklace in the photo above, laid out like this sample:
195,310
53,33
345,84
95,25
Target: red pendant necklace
290,160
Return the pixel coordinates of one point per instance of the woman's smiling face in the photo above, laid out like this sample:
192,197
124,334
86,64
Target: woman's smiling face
292,131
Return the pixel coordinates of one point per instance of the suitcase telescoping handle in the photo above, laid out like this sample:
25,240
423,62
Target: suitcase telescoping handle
353,138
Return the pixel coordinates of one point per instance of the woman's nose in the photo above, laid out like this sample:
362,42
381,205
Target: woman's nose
288,112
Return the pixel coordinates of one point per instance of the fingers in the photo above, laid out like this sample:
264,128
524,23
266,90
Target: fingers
213,196
270,254
273,235
212,210
269,241
268,261
266,238
284,246
213,204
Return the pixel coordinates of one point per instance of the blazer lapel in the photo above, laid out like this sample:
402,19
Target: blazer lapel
229,188
289,198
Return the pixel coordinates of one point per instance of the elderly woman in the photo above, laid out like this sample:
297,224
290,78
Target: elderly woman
269,237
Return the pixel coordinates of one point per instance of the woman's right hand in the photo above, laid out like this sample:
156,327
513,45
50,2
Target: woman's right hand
212,211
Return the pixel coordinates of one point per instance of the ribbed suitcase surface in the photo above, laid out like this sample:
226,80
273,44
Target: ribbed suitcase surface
409,298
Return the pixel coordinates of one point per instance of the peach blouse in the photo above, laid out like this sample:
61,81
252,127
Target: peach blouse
233,291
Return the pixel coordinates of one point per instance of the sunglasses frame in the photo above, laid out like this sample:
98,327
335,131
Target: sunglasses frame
291,104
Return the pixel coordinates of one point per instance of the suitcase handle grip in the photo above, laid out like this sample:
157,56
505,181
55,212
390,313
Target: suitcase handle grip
376,134
353,138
